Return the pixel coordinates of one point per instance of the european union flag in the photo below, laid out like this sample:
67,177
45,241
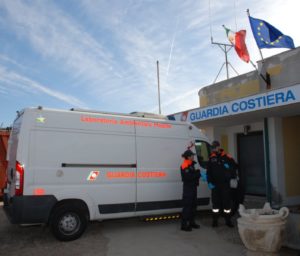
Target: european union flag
267,36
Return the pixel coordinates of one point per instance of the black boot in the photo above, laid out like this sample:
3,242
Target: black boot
185,226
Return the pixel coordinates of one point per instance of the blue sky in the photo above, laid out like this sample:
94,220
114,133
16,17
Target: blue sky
102,55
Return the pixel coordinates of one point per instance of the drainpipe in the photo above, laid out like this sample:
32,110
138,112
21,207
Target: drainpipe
267,162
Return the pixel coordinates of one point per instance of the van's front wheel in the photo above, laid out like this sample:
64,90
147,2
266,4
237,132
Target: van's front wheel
68,222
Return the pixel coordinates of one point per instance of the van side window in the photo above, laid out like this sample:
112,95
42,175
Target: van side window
203,152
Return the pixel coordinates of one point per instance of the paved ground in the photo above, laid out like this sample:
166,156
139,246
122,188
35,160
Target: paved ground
127,237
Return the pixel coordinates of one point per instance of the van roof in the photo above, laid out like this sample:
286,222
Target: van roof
134,114
89,111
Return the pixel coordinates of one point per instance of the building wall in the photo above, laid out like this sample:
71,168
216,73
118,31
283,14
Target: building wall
284,146
231,89
229,135
282,68
283,139
276,161
279,130
291,145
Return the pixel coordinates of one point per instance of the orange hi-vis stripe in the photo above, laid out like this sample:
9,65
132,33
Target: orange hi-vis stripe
213,154
186,163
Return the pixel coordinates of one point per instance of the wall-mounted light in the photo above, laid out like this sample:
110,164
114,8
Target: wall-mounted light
246,129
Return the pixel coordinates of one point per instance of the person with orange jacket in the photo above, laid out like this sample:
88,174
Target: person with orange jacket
190,178
221,169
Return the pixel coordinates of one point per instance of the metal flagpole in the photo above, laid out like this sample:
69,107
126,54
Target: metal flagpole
159,108
266,79
262,58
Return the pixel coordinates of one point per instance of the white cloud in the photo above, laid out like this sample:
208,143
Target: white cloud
6,59
10,78
58,38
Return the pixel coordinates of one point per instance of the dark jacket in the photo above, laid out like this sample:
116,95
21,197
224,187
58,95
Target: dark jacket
189,175
221,167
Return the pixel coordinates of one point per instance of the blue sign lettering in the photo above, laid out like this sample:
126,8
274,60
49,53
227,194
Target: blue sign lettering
215,111
251,104
192,116
289,96
271,99
279,97
209,112
225,110
235,107
243,105
256,102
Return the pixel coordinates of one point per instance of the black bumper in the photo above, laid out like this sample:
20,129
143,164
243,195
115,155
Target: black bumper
28,209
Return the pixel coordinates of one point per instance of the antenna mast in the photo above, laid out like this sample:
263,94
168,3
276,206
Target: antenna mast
158,87
225,48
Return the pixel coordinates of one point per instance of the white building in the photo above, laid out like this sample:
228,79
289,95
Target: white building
259,125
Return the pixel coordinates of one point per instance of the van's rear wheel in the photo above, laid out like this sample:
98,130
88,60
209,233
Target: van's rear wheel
68,221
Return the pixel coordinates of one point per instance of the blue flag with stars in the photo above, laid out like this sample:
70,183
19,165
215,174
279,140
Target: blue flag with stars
266,36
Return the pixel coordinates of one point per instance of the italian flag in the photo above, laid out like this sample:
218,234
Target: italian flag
238,40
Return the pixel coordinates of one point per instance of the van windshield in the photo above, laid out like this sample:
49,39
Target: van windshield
203,152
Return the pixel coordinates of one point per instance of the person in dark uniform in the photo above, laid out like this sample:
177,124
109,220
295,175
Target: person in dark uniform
190,177
221,168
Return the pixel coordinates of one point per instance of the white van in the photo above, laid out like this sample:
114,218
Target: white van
66,167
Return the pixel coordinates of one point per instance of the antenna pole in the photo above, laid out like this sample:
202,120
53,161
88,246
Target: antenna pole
210,26
226,62
225,48
158,86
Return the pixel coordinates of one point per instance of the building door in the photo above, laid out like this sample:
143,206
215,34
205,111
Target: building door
252,163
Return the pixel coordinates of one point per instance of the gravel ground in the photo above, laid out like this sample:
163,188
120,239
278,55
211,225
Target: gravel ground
127,237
